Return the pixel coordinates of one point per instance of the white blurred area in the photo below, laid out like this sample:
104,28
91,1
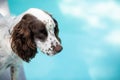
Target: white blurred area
4,10
99,15
101,35
91,11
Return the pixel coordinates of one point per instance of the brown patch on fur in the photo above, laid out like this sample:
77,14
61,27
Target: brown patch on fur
24,34
56,30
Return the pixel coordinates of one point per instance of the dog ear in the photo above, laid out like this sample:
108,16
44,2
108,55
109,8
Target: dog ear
23,43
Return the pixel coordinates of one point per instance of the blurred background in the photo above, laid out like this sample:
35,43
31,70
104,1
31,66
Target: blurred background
90,34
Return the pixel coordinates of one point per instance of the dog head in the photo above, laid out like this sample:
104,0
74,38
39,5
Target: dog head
35,29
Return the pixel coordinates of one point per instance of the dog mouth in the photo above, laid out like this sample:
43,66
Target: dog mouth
53,50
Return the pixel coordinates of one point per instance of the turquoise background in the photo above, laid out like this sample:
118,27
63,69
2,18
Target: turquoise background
90,34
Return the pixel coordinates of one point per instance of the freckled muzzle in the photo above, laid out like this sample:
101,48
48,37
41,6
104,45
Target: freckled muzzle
54,50
57,49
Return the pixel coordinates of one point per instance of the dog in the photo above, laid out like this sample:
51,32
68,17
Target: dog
21,36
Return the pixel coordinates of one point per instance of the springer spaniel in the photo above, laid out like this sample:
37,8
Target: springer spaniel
21,36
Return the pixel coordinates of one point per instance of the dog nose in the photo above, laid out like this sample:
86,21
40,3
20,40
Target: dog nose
58,48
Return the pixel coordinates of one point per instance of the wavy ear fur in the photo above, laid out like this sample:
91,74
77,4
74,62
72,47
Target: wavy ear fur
23,43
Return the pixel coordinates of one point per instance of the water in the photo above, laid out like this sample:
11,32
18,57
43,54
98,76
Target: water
90,36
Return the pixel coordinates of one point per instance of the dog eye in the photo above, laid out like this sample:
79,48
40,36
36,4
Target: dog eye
42,35
44,32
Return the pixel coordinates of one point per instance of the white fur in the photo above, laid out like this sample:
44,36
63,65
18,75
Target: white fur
46,19
7,56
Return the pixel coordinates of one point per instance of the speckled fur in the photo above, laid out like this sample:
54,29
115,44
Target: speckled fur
7,56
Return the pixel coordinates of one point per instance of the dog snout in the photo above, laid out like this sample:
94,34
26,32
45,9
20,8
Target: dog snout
58,48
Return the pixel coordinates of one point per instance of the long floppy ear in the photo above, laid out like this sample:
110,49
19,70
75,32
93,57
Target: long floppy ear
23,43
